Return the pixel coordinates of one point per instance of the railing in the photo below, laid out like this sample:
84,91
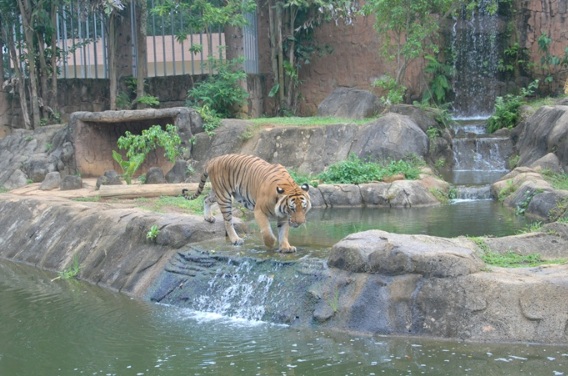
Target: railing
83,41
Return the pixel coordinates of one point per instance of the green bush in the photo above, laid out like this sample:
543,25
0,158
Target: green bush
506,113
138,146
221,92
355,171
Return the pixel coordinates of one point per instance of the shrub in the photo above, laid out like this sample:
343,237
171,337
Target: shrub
354,171
138,146
221,92
506,113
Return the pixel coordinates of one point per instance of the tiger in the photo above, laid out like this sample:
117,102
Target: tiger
266,189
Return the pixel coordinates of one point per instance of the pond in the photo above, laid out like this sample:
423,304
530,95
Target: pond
68,327
326,227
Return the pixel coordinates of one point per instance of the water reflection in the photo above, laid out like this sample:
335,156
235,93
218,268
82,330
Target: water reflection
325,227
72,328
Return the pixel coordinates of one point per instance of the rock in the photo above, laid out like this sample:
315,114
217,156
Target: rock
155,175
350,103
551,242
376,251
70,182
110,177
16,180
391,136
38,167
51,181
549,162
178,173
545,131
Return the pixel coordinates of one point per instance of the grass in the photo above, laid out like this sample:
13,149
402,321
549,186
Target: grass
70,272
173,203
511,259
355,171
306,121
557,180
88,199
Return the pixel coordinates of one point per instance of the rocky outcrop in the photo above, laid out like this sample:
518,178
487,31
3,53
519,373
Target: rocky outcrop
312,149
544,132
526,191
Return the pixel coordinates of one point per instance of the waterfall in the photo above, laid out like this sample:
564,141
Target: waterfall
479,159
236,293
207,278
475,47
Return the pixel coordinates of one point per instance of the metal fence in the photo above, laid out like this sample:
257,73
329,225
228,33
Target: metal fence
83,42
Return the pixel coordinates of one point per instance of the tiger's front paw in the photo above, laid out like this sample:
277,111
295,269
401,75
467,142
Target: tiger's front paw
210,219
238,241
287,249
269,240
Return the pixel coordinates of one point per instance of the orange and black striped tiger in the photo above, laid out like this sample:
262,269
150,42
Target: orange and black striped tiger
267,189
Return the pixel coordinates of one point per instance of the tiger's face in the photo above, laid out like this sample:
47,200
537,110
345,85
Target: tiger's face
294,204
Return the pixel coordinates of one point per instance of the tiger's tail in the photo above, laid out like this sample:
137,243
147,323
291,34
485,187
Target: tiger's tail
199,188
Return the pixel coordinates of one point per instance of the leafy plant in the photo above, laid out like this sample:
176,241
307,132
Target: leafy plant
221,92
70,272
138,146
523,205
354,171
211,120
395,91
148,100
440,85
550,65
128,166
152,234
506,113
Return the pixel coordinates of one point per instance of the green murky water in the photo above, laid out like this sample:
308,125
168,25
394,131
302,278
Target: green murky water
73,328
326,227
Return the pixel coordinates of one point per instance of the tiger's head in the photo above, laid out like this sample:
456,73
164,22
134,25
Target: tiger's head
293,202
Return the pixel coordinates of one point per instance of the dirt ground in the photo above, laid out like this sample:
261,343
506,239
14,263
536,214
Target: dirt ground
135,195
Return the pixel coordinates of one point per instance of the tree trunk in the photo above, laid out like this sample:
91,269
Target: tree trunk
280,54
273,53
141,66
19,77
26,13
52,97
112,61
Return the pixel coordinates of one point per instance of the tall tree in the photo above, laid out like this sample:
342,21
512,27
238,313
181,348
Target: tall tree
29,19
291,27
408,29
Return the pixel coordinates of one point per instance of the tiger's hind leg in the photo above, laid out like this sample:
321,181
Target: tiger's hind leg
207,204
225,203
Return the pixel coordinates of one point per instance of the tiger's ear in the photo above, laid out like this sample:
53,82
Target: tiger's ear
305,187
279,190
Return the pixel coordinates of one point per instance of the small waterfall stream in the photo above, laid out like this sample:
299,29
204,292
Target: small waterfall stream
479,160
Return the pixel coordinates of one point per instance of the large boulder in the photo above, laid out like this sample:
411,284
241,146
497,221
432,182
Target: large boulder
350,103
377,251
312,149
546,131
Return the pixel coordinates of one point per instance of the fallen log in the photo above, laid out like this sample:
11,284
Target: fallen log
146,190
